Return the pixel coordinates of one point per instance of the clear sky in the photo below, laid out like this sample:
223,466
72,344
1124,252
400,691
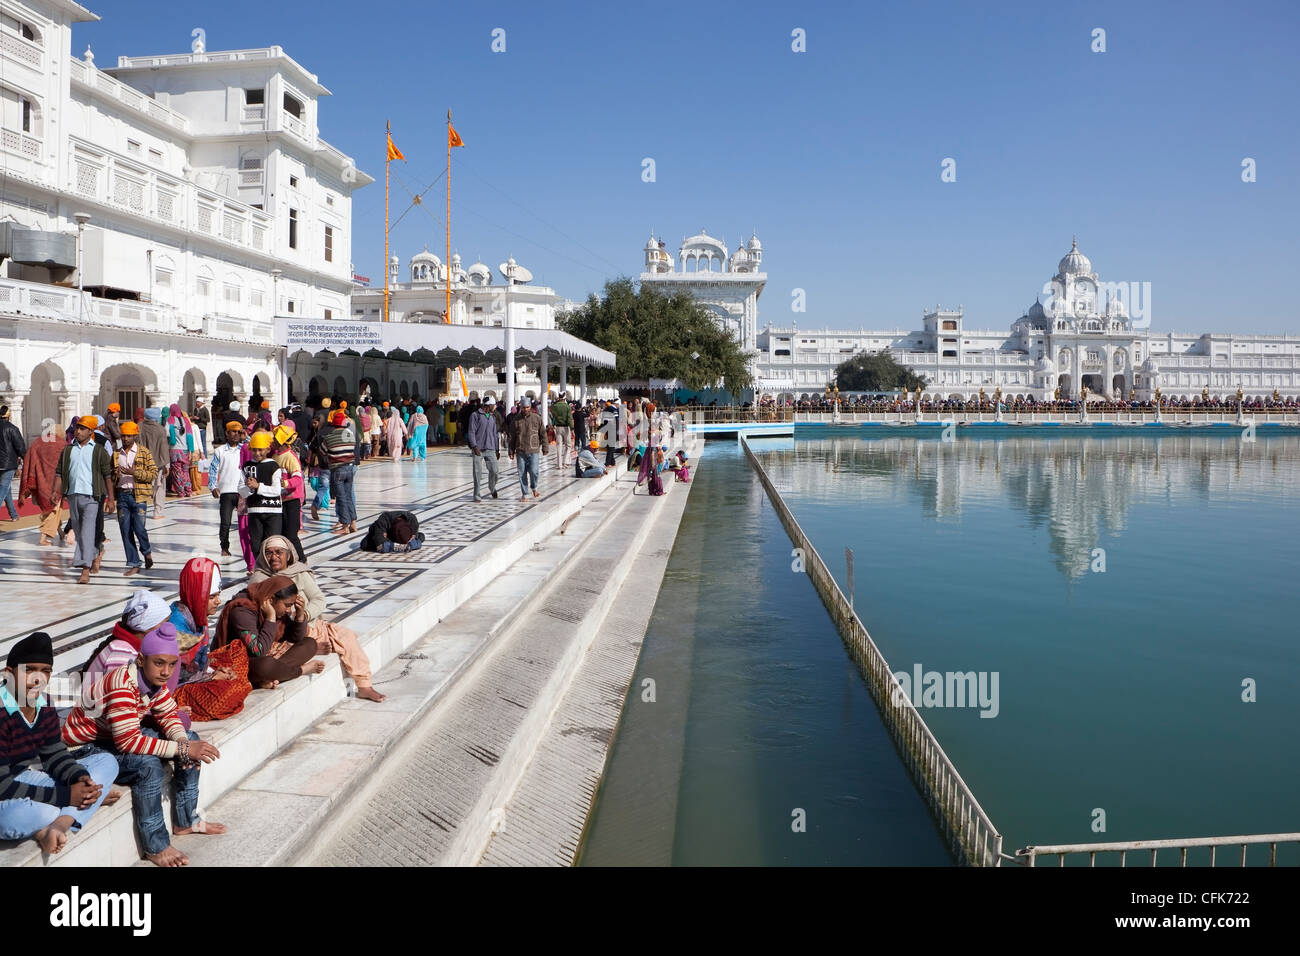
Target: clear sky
834,154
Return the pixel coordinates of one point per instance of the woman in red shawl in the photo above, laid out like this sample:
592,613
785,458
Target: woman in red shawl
213,685
38,480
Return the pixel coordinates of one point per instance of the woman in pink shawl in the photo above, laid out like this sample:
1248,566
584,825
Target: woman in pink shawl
395,433
181,440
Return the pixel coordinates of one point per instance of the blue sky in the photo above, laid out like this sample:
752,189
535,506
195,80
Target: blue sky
833,155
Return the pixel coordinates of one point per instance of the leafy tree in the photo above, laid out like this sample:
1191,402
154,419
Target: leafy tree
875,372
655,336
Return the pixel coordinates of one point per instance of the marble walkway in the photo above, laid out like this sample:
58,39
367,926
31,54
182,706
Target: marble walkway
38,589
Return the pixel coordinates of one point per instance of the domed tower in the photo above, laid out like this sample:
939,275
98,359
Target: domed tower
394,270
740,260
657,260
426,267
755,249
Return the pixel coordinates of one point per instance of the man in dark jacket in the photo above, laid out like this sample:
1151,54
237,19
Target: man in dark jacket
393,531
484,443
12,451
202,418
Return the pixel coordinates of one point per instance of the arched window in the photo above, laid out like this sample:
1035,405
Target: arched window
22,114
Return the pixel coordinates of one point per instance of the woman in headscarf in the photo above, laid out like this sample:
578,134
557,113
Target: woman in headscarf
419,429
272,626
395,433
193,433
213,685
181,443
200,598
277,558
38,481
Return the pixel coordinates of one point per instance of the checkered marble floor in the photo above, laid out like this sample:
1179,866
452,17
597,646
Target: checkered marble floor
38,589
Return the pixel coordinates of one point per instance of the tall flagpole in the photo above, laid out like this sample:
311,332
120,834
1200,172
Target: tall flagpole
388,161
447,313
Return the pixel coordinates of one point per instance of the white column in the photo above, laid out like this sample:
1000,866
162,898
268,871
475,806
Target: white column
510,368
16,414
564,373
582,382
543,373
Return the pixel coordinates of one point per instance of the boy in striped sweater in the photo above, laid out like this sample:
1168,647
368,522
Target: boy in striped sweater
44,804
123,698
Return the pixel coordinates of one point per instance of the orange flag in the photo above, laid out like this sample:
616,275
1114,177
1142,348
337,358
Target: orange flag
453,137
393,151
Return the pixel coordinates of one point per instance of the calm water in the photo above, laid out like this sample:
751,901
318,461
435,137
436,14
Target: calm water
1119,689
759,712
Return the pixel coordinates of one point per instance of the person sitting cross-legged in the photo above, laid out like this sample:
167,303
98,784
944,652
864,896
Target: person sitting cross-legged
44,804
123,699
278,558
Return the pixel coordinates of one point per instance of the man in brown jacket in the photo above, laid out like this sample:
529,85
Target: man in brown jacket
529,438
135,472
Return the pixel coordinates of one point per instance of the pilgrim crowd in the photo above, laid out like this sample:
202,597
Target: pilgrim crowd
164,666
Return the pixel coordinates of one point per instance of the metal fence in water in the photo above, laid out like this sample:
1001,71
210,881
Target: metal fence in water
972,836
974,839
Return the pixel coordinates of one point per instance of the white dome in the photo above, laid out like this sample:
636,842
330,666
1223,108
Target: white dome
1075,262
426,256
651,243
754,244
1115,306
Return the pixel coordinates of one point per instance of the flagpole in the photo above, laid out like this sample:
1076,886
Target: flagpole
447,312
388,161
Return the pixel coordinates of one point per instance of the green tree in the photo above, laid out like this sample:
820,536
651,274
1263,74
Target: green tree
875,372
656,336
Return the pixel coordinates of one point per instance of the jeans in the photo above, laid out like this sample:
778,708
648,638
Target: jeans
130,521
82,512
144,774
322,499
229,502
22,818
593,472
389,547
528,465
7,491
488,460
345,502
203,440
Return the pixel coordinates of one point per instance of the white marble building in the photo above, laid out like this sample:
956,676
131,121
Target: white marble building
728,285
479,296
1081,336
205,200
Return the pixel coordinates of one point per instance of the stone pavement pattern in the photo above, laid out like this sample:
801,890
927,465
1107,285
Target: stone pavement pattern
38,584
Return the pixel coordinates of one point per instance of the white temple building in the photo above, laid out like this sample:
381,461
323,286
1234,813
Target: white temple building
1080,336
479,296
196,194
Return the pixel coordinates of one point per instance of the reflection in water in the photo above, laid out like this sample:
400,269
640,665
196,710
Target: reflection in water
1081,489
1121,690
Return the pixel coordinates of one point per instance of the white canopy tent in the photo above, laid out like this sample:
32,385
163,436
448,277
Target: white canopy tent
445,346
